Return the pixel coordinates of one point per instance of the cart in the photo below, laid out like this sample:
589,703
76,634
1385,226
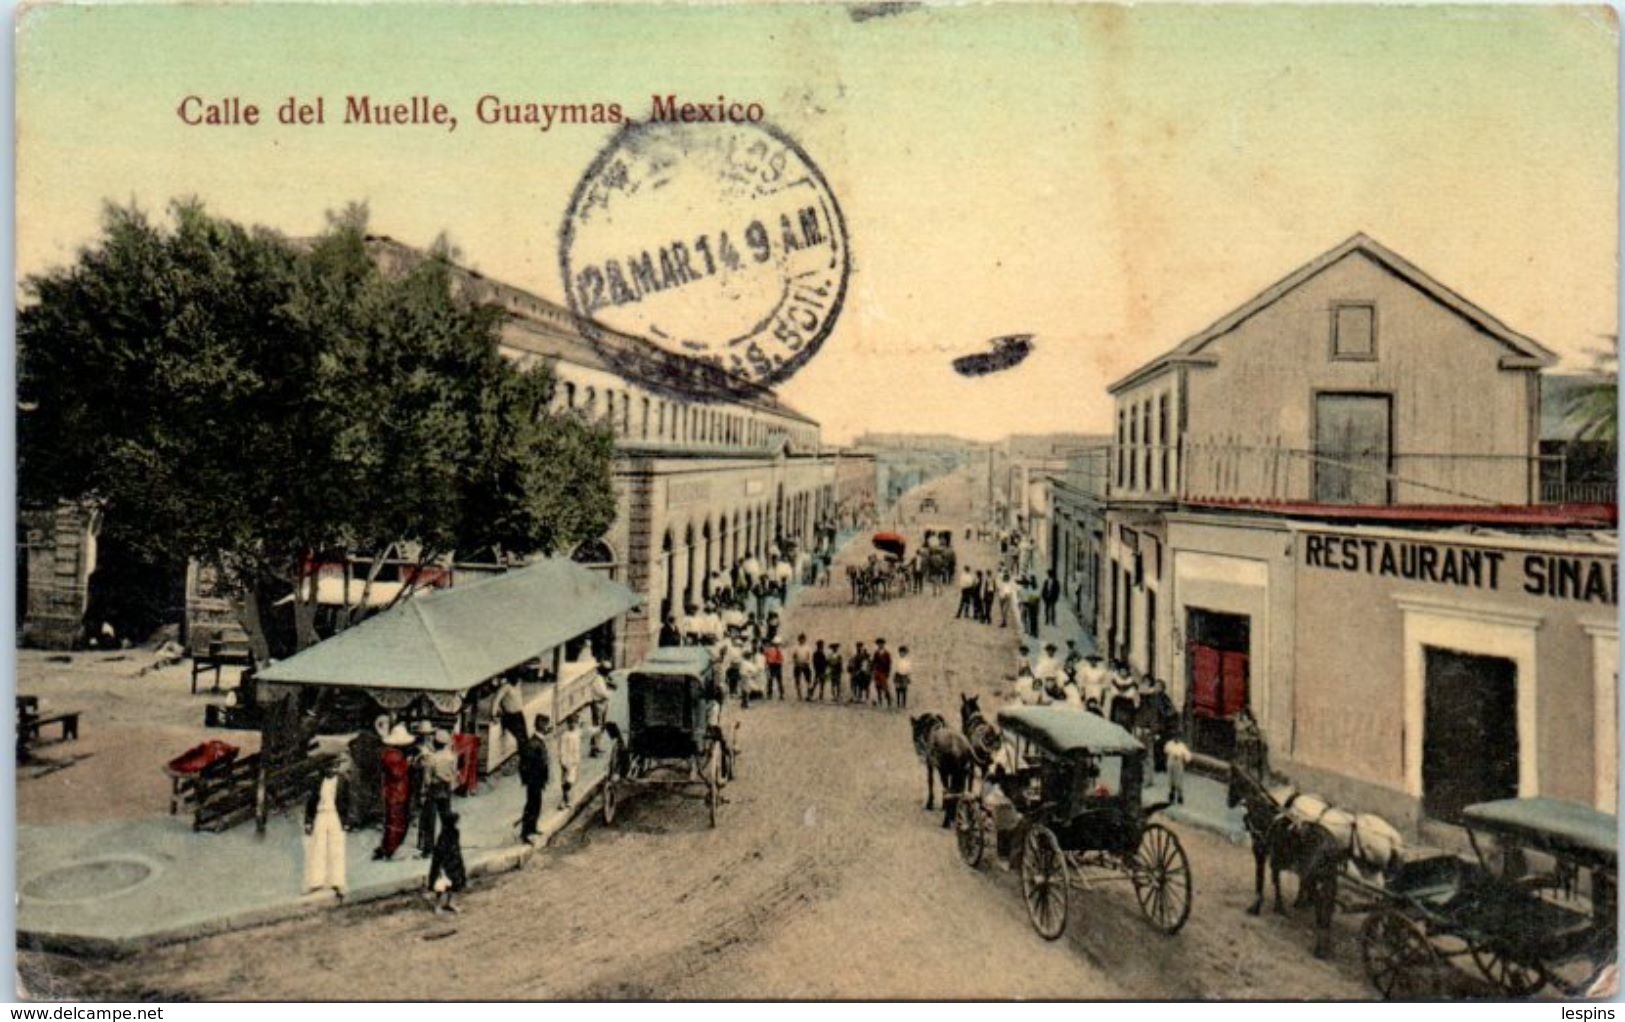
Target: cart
1534,906
1072,811
674,738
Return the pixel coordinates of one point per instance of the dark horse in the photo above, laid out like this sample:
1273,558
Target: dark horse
946,754
984,738
1307,849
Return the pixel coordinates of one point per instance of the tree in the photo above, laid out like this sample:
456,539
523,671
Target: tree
223,394
1594,405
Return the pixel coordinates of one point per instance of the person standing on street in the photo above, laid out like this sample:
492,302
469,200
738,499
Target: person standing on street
820,667
447,875
801,667
967,594
903,674
773,657
533,774
1030,598
837,665
1051,593
395,776
857,674
326,809
439,777
990,592
599,706
569,759
880,671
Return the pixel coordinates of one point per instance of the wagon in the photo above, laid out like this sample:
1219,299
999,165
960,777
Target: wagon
1534,906
1072,812
674,731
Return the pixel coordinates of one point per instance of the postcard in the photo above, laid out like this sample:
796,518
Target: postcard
884,501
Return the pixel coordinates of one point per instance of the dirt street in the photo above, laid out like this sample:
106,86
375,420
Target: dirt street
825,878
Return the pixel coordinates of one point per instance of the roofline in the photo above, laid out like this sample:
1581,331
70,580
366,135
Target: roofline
1527,353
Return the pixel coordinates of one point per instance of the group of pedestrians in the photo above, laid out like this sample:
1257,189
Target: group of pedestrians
870,676
1015,598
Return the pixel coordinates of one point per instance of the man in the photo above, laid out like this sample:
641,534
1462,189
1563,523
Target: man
857,675
836,665
903,674
569,759
967,594
669,635
1070,665
1048,669
1092,680
781,575
1051,593
533,774
1007,599
801,667
599,706
989,594
760,590
1030,597
1178,756
439,777
773,657
509,708
326,809
880,671
752,671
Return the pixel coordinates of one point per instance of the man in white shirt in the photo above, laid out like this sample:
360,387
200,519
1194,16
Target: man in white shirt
569,758
801,667
1048,668
1007,599
599,706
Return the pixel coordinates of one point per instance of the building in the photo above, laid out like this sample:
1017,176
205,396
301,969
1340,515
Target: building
707,470
1325,510
1077,498
857,486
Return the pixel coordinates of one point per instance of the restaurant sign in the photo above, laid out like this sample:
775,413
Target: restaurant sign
1586,579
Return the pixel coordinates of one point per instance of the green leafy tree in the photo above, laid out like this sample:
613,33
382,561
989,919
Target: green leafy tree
223,394
1594,406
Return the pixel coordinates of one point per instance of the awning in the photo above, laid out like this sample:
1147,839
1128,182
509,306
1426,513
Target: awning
450,640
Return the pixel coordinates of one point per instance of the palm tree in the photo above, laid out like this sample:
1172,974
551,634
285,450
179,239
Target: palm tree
1593,406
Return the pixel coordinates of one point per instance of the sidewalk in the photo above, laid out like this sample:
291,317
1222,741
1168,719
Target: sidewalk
1203,806
123,885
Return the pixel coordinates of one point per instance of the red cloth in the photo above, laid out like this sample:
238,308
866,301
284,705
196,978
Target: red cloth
468,762
1205,680
1234,672
396,768
195,759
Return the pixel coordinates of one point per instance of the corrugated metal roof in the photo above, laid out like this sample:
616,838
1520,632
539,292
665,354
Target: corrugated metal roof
452,640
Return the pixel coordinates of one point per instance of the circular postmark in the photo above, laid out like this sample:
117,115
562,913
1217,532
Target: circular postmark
718,242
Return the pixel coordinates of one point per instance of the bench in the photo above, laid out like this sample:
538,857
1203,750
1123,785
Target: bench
30,723
221,653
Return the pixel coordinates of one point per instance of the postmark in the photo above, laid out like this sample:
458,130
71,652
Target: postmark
719,242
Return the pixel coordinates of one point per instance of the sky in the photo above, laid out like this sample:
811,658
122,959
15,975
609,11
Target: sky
1109,179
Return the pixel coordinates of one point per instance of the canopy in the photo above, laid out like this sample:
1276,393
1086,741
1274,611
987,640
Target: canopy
1550,825
890,542
453,639
690,660
1063,730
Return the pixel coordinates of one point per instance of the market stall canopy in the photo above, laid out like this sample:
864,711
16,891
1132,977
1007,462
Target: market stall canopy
453,639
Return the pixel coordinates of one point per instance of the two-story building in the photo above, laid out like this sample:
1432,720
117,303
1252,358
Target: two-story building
1325,514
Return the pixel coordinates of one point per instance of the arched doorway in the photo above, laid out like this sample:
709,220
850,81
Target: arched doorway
668,600
705,571
598,554
688,576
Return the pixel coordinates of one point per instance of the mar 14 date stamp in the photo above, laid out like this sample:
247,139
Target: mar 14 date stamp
718,241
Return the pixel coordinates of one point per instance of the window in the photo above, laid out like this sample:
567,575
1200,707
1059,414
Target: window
1162,437
1134,449
1354,331
1122,437
570,396
1145,435
1353,448
645,418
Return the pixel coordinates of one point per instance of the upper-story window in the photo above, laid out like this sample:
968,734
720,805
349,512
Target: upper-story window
1134,448
570,396
1162,435
1122,440
645,427
1354,330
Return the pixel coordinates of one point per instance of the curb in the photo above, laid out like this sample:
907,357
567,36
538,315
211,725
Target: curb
501,860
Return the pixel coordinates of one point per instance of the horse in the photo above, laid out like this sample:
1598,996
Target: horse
984,738
946,752
1307,849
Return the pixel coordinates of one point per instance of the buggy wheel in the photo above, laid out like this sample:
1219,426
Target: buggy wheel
610,781
1399,959
969,833
1511,978
1044,883
1162,878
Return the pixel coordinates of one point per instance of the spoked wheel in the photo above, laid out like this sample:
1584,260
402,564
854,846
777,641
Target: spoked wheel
1044,883
1162,879
611,779
1399,959
969,833
1511,978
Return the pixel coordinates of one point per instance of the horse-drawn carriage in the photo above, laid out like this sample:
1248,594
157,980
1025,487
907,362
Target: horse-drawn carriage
674,736
1535,906
1074,805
